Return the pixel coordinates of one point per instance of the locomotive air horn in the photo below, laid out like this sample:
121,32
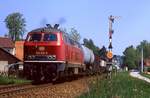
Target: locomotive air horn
56,26
48,25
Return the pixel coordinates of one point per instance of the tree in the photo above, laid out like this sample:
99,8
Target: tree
75,35
90,44
130,57
64,30
146,48
16,26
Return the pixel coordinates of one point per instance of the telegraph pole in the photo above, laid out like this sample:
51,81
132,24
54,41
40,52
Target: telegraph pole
142,59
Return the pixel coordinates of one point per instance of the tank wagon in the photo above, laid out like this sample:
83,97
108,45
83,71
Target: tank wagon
49,54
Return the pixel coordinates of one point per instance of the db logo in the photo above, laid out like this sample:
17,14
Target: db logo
41,48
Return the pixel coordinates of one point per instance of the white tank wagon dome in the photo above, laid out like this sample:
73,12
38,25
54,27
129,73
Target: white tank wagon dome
88,55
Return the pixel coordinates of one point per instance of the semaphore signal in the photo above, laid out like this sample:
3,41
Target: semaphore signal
111,31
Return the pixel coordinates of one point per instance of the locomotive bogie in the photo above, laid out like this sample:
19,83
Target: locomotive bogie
43,71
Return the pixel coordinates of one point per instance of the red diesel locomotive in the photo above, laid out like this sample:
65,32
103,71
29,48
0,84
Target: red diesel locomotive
49,54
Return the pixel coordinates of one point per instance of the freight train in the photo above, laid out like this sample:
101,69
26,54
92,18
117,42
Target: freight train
50,54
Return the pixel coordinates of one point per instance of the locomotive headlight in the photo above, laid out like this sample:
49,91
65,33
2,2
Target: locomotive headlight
54,57
31,57
51,57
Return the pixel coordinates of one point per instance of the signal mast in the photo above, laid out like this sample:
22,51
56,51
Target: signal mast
109,53
111,31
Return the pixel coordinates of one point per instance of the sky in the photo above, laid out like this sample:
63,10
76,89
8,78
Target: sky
89,17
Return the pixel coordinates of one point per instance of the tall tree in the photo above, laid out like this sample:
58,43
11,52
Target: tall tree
130,57
16,25
75,35
146,48
64,30
134,55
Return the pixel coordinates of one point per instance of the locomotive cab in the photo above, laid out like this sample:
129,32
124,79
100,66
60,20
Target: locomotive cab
42,47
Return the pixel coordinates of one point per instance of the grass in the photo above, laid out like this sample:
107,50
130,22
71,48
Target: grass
120,86
145,75
12,80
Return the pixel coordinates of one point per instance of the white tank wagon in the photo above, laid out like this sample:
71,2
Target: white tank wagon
88,55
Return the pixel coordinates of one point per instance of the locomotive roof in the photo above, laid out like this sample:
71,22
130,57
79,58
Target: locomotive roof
46,29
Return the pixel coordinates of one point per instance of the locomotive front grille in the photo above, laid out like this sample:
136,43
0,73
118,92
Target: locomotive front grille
42,58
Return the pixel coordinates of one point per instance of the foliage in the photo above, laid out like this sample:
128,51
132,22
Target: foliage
89,43
102,52
146,75
75,35
148,69
130,57
146,49
64,30
12,80
16,25
120,86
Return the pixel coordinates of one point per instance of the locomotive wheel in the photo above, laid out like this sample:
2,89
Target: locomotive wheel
59,78
38,76
27,72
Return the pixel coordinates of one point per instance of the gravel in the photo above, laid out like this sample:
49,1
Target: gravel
62,90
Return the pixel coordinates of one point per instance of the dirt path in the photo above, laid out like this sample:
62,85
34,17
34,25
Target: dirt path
137,75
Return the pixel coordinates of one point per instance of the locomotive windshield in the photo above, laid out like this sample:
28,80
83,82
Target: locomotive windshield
50,37
41,37
34,37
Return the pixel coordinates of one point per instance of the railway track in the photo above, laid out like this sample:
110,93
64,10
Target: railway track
12,90
60,90
8,91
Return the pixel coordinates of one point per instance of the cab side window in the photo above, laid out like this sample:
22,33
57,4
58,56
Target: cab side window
50,37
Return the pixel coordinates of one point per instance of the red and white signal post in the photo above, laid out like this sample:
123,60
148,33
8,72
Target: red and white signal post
109,53
111,31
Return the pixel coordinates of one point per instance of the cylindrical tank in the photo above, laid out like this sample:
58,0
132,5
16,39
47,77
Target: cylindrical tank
88,55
